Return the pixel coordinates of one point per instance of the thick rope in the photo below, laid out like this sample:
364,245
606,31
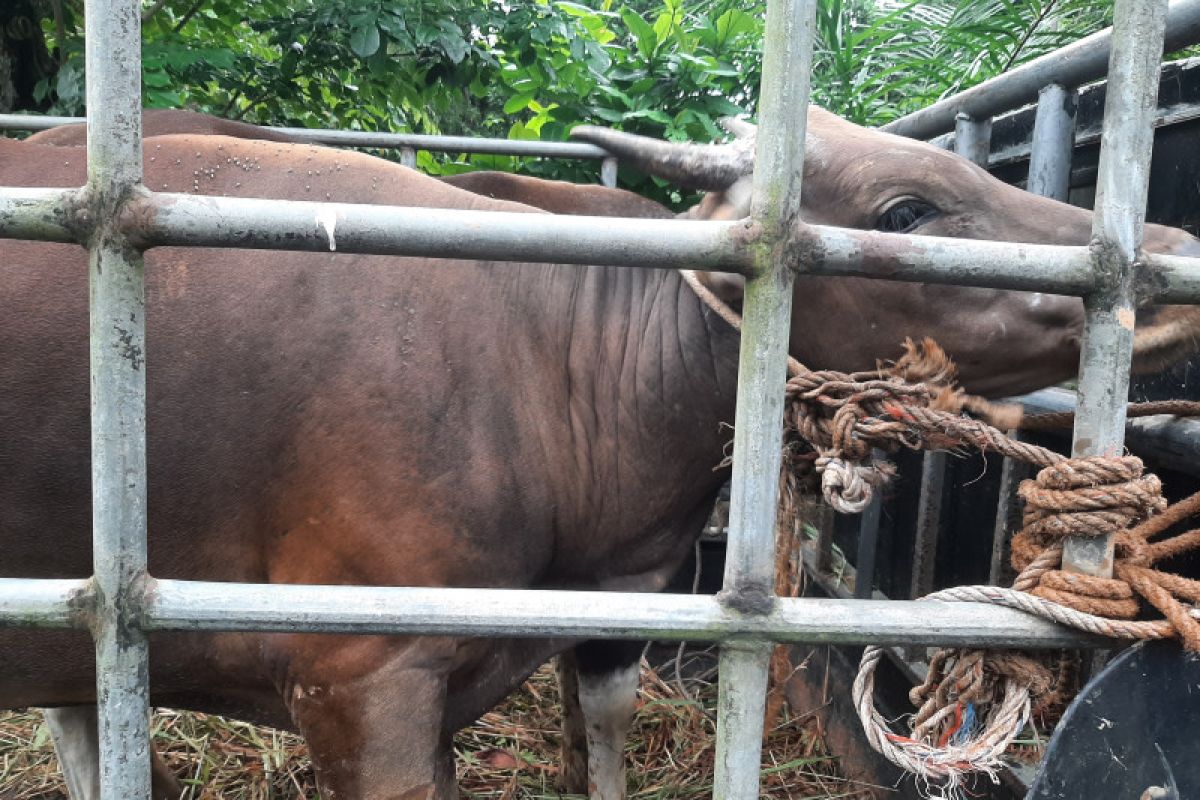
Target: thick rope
1065,419
911,404
974,703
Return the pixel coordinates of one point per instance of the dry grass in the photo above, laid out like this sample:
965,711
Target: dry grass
510,754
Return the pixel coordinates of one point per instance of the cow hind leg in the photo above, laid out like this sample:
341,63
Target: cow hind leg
607,675
573,760
77,744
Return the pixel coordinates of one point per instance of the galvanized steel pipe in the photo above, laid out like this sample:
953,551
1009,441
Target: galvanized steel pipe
173,605
973,138
1122,185
118,378
154,219
1052,142
200,221
45,603
749,586
39,214
1072,66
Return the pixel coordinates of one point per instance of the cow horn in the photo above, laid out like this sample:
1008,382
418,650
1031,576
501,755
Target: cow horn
711,167
740,128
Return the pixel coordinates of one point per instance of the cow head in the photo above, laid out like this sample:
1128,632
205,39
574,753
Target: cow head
1004,342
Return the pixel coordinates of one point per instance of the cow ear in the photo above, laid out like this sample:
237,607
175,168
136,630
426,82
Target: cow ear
728,286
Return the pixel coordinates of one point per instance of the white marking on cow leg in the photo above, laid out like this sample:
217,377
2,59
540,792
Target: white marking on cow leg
327,219
77,744
608,701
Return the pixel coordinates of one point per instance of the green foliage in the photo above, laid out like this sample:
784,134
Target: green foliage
532,69
878,60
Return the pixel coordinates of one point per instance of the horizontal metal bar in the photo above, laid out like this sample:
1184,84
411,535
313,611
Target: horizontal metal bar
1089,131
1071,66
199,221
195,220
35,122
200,606
449,144
822,250
42,603
1175,279
385,140
1167,440
36,214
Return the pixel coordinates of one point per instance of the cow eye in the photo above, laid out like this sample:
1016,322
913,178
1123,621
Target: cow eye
905,216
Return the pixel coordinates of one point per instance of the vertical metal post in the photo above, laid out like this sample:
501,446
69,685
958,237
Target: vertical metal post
868,547
118,392
1051,148
1052,142
408,157
973,138
1008,516
929,522
1121,187
821,516
973,141
749,570
608,172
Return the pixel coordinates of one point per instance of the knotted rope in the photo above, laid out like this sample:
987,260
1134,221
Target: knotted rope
976,702
833,421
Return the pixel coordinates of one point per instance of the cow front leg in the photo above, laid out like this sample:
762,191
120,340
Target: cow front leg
608,680
77,744
371,710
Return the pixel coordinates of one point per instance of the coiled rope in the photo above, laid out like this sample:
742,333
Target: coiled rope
975,702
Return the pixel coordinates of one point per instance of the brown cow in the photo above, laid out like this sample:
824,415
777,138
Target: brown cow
558,197
74,727
163,121
332,418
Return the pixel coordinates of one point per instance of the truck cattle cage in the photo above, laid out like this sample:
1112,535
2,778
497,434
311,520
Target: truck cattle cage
121,603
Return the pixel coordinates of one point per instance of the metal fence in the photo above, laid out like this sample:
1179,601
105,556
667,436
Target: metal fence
121,602
407,143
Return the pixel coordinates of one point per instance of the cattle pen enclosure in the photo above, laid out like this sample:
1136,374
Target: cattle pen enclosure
116,218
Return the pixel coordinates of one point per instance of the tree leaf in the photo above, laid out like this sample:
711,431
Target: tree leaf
643,34
518,102
364,41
